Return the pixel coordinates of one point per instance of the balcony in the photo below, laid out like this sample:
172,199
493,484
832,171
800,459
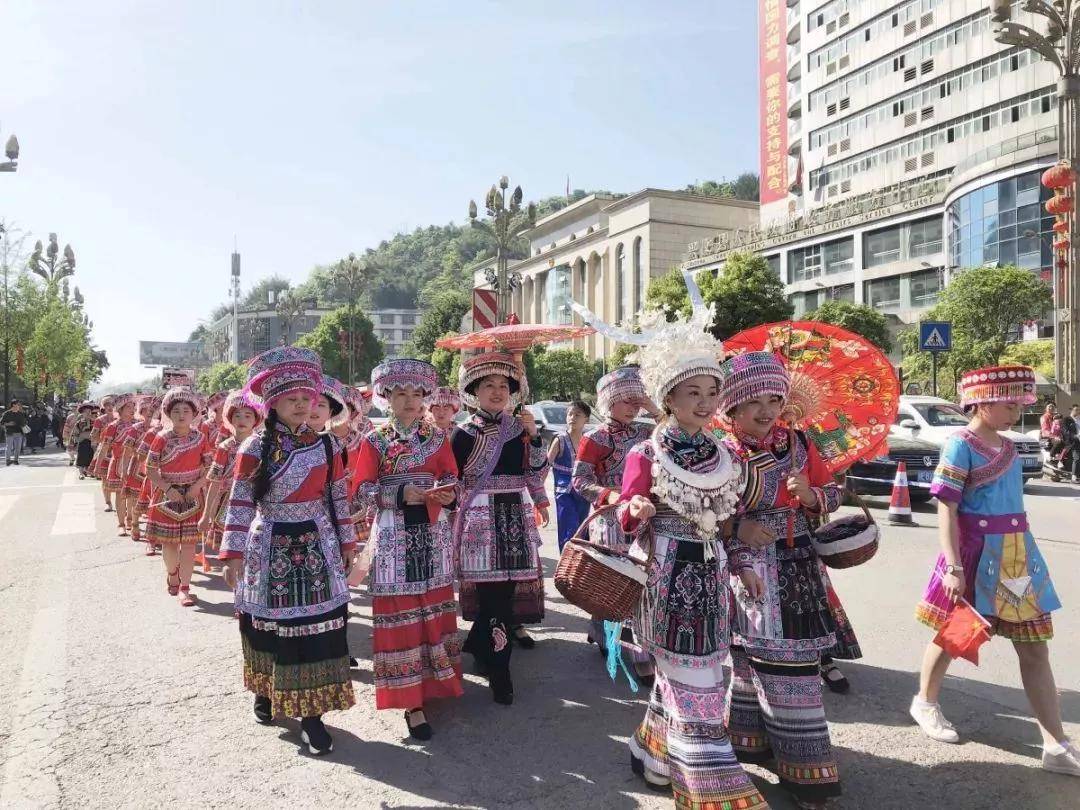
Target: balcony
794,129
794,70
795,32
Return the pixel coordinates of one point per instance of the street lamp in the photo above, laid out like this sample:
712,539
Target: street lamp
11,150
1060,47
49,264
351,275
504,225
289,307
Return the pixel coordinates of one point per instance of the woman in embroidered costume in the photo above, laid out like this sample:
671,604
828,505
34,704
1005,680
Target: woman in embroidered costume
80,437
598,472
989,557
443,406
129,486
65,436
241,415
146,488
112,454
783,618
570,508
288,544
405,472
502,466
678,488
176,467
103,418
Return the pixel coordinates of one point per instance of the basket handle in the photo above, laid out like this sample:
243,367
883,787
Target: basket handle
577,539
859,501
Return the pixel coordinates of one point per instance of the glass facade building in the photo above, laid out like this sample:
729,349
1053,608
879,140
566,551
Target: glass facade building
1002,223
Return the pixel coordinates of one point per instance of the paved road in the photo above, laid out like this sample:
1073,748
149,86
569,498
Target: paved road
117,697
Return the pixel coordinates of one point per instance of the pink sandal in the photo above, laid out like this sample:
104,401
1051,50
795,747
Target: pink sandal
188,600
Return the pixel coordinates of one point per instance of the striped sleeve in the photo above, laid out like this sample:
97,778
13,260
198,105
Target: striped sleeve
952,471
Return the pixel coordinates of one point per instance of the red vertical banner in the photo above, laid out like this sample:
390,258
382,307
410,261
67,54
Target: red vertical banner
772,59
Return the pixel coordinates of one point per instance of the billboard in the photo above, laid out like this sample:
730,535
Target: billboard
168,353
772,99
184,377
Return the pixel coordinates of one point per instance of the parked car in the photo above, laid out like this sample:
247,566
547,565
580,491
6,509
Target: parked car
551,418
876,476
933,420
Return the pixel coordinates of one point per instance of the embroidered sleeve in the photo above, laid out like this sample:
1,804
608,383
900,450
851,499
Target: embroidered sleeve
240,511
952,471
370,495
829,494
585,479
537,469
446,471
636,480
206,453
339,493
153,456
462,442
220,463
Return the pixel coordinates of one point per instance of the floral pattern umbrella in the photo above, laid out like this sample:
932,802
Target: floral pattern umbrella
844,391
515,337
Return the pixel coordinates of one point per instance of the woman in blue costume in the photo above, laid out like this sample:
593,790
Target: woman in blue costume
989,558
570,508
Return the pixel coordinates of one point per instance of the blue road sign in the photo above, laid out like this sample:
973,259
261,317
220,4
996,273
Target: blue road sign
935,336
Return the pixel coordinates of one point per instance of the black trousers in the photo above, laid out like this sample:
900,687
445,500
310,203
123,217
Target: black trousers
489,638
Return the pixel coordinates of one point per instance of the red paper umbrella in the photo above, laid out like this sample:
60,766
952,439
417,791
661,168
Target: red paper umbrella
515,337
844,390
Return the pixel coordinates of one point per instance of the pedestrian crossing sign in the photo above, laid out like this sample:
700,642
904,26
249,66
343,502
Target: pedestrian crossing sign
935,336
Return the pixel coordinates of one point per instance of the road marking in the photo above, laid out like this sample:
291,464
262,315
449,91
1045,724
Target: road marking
6,502
75,515
82,484
38,721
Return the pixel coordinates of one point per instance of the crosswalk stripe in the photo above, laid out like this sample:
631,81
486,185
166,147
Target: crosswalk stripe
75,515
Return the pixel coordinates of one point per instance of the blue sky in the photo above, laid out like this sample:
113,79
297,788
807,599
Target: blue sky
153,133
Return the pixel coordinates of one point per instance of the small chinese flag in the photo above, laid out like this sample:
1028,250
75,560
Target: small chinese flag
963,633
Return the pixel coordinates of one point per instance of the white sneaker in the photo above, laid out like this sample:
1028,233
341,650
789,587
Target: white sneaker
1066,760
932,721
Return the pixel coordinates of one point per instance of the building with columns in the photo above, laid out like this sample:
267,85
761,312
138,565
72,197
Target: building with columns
603,250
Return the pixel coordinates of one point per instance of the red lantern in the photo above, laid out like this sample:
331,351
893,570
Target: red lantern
1061,244
1059,204
1059,176
1061,226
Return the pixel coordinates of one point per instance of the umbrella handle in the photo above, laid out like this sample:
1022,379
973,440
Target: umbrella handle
792,510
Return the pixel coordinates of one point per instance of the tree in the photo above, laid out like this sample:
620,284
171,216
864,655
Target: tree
448,364
221,377
1039,354
328,340
443,314
561,374
59,349
622,355
744,187
259,295
986,306
857,318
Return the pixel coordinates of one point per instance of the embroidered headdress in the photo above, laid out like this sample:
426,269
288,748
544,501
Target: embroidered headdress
475,368
618,385
148,405
175,395
88,405
107,402
998,384
403,373
215,401
284,370
120,400
446,396
751,375
241,398
334,391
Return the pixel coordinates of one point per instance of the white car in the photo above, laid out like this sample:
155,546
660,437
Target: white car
933,420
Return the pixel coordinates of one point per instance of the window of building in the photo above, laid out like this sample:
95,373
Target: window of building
619,267
845,292
924,238
925,286
774,264
883,246
839,255
805,263
882,292
408,320
639,280
386,319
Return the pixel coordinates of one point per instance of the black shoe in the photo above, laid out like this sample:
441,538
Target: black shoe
353,663
590,640
502,689
16,462
421,731
315,735
262,710
834,678
525,641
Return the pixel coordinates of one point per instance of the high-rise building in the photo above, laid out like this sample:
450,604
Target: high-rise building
899,143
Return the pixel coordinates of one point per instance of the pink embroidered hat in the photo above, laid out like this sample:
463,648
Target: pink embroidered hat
446,396
998,384
175,395
241,398
284,370
750,375
215,401
120,400
621,384
334,391
403,373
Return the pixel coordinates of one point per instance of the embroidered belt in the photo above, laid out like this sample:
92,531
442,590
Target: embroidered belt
292,512
417,479
777,521
677,527
992,524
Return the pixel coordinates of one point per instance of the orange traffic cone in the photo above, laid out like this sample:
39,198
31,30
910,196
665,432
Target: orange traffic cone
900,503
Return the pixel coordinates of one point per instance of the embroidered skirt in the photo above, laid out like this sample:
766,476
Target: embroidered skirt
847,646
527,604
991,562
683,737
499,538
174,522
114,482
302,664
416,648
775,711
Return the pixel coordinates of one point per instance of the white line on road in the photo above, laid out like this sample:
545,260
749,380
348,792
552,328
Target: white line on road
6,502
75,515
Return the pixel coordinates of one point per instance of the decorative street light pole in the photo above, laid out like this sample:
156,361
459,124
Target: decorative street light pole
49,264
289,307
351,275
504,225
1059,46
11,150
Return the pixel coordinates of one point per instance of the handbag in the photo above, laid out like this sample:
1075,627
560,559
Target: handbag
605,583
847,541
